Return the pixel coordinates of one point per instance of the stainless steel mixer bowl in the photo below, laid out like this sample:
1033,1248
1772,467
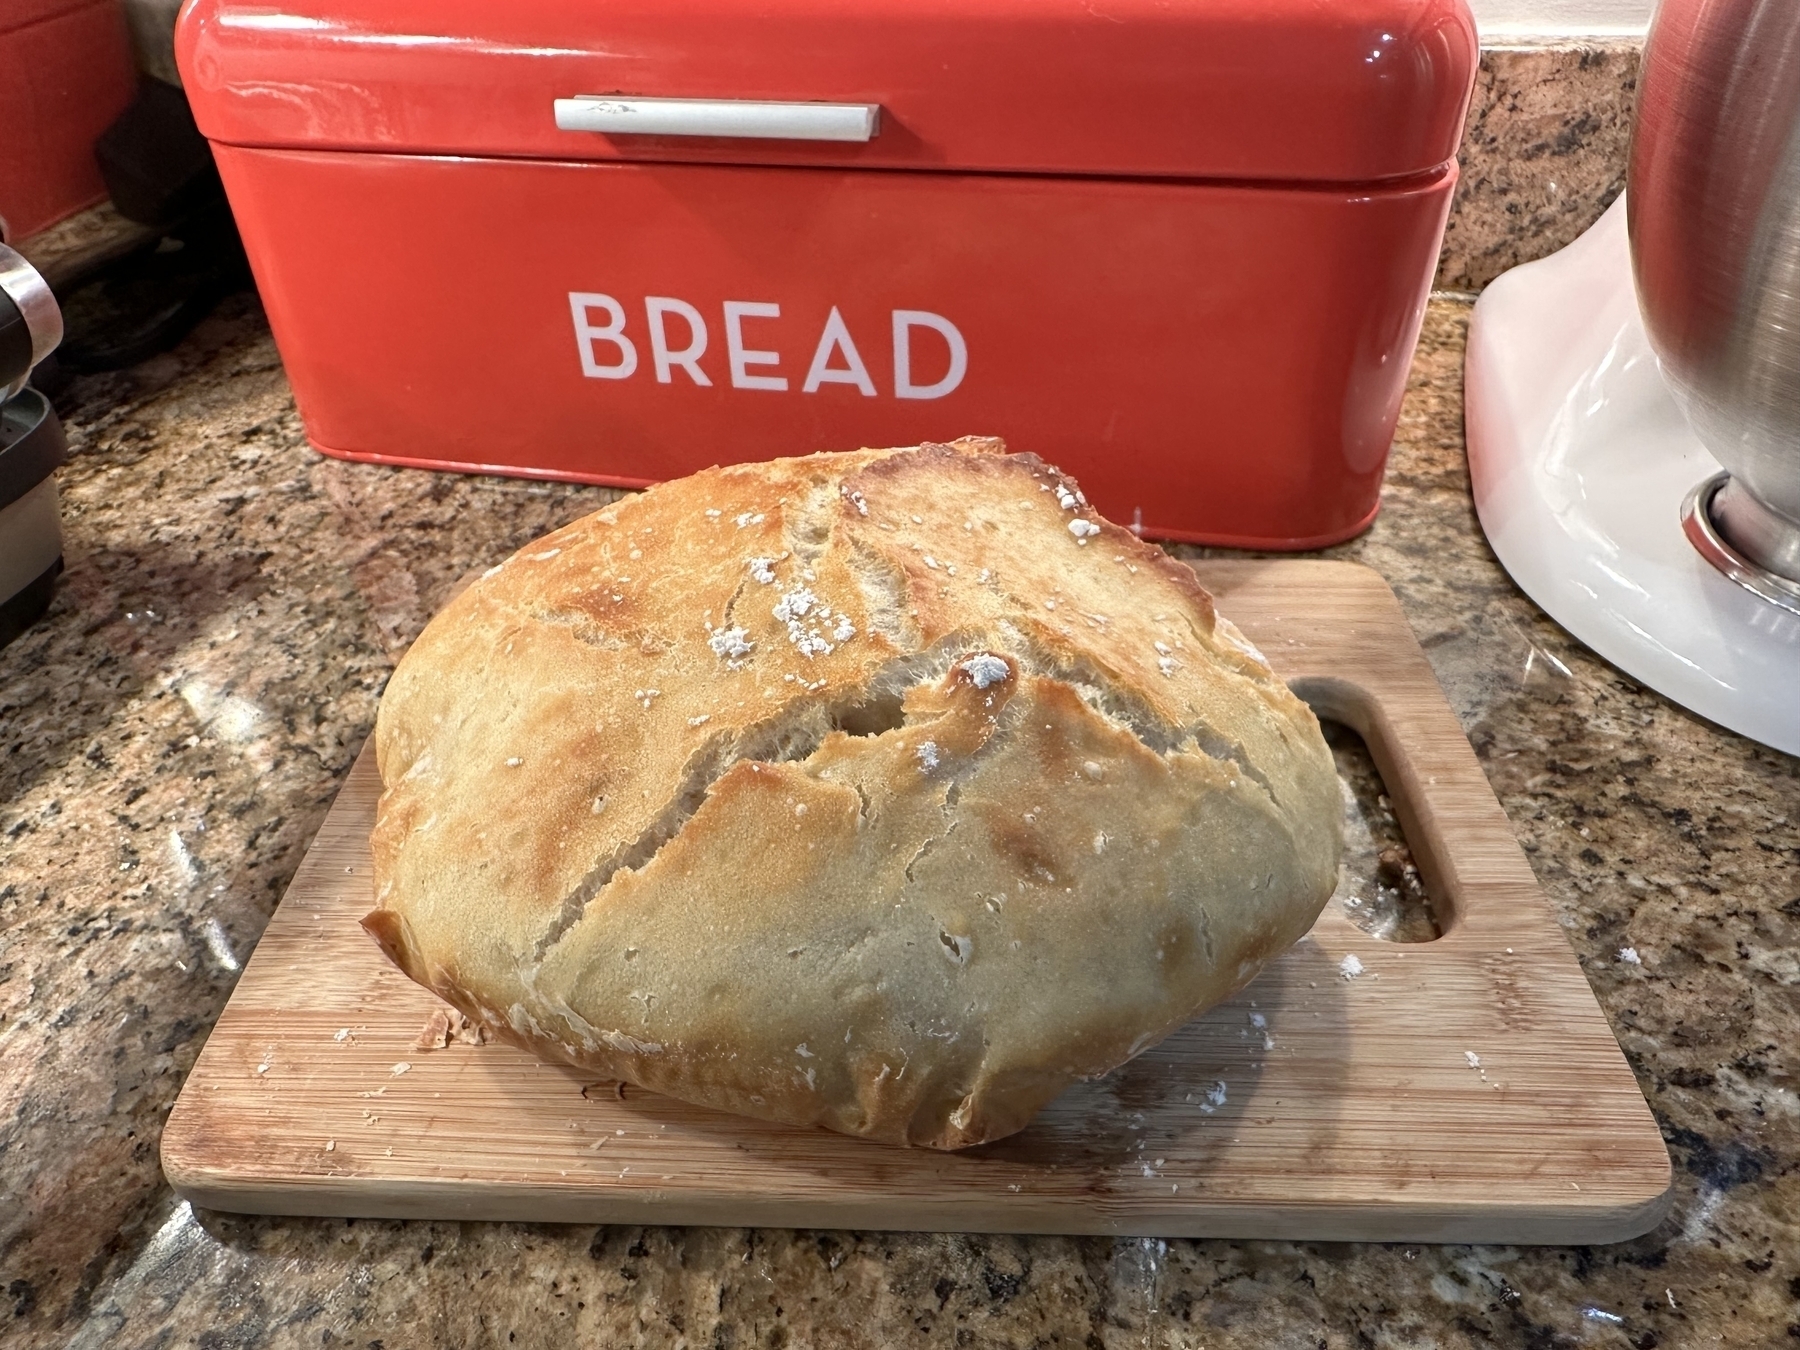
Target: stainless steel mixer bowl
1714,205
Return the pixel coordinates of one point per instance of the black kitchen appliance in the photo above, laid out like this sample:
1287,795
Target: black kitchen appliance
31,447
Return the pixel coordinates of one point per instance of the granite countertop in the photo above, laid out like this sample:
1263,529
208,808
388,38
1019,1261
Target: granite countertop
177,726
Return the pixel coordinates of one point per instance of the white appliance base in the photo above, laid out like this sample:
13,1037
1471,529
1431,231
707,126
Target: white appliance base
1580,461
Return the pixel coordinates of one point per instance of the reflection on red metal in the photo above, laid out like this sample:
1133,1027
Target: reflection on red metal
1182,253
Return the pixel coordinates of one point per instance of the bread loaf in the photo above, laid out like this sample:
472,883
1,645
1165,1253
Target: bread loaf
890,791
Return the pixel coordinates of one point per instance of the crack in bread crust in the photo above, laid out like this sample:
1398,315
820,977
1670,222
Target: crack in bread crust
884,596
1102,692
792,738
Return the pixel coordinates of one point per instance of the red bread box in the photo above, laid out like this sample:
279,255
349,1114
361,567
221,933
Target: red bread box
1179,247
65,73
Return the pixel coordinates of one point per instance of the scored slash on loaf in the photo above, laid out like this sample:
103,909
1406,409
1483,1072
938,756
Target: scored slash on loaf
890,791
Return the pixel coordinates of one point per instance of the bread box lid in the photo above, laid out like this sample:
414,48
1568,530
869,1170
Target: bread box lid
1338,91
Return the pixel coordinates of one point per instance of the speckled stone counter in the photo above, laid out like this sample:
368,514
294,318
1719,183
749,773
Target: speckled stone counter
1543,154
174,732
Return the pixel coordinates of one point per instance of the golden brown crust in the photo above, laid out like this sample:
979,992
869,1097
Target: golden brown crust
889,791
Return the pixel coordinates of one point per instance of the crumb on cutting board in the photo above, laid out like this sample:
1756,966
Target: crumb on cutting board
446,1025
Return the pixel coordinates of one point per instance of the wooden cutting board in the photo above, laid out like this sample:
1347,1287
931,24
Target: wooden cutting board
1462,1090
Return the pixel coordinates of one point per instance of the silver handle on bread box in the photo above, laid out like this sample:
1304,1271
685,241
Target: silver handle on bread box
719,117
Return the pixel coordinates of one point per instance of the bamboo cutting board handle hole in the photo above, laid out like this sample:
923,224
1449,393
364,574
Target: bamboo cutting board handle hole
1380,889
1410,756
